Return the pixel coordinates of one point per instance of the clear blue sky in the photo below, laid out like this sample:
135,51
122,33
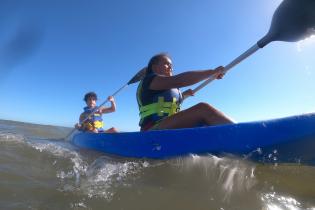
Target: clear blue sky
54,51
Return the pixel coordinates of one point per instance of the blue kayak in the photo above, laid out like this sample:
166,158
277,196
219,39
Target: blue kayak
290,139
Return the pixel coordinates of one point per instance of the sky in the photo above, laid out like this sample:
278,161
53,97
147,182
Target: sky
54,51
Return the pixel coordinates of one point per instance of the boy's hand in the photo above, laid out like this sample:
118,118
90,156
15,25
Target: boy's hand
111,99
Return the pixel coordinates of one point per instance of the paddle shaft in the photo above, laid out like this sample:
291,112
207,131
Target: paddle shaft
120,89
236,61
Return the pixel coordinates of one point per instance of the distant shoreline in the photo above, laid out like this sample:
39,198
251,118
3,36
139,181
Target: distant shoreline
15,122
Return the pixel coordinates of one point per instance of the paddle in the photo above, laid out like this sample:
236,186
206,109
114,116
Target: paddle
292,21
139,76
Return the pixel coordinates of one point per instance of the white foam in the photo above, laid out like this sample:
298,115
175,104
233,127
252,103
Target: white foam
104,176
11,137
273,201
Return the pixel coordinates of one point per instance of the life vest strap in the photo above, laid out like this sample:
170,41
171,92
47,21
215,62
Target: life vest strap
160,108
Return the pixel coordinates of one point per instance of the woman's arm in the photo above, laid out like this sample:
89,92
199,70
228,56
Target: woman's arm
184,79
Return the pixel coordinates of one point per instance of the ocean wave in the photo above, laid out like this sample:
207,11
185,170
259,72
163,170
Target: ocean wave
11,137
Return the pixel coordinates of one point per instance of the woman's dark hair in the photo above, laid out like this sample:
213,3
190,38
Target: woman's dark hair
90,95
155,60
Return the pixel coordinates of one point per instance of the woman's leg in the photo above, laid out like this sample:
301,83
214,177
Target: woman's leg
111,130
191,117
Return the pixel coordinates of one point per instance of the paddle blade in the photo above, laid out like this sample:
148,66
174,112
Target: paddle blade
139,76
293,20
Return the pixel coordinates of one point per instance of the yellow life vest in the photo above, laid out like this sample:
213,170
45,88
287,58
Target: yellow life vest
95,121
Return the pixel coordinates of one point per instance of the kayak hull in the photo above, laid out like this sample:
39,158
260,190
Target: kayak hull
290,139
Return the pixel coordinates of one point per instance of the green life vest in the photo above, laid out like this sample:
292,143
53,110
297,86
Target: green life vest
155,105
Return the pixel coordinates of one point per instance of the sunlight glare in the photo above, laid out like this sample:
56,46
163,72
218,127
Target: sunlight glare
305,43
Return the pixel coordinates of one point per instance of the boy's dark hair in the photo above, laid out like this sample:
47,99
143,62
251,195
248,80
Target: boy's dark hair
90,95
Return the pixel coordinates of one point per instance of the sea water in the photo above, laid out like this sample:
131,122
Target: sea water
40,170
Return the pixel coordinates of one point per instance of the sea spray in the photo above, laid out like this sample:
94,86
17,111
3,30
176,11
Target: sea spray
104,175
232,175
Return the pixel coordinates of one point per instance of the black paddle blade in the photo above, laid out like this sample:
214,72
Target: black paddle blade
293,20
139,76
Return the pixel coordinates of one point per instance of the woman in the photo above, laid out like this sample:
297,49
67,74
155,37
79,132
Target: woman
159,98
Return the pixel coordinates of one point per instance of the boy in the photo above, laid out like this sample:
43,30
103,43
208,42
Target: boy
94,123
